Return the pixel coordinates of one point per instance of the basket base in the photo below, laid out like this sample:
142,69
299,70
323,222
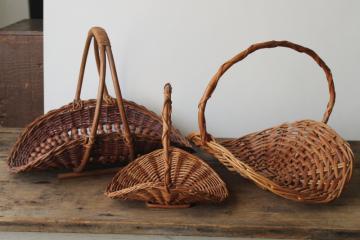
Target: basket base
154,205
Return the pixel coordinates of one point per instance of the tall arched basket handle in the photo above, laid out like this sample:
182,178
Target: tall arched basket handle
102,49
100,38
270,44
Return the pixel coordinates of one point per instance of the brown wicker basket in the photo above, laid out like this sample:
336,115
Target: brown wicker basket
302,161
169,177
105,131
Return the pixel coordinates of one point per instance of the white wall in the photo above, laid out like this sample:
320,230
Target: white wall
184,42
12,11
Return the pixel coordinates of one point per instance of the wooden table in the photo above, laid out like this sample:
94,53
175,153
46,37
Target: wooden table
41,202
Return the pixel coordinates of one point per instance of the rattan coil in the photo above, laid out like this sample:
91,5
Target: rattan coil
303,161
105,131
169,177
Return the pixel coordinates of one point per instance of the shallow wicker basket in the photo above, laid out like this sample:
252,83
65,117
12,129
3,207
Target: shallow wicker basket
169,177
105,131
302,161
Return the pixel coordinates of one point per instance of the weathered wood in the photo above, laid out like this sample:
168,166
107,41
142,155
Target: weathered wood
41,202
21,73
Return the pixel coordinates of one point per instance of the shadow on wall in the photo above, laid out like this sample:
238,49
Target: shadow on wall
12,11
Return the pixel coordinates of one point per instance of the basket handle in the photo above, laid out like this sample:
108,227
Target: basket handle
94,31
166,117
270,44
102,46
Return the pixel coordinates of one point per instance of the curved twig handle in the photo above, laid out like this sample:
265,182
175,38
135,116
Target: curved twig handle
166,117
106,96
271,44
104,48
84,60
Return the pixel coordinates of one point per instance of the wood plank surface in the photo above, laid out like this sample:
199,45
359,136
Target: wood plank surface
41,202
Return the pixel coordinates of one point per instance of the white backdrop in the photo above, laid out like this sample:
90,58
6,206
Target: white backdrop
185,41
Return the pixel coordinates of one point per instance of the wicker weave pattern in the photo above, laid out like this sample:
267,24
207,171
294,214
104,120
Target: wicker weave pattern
192,180
104,131
56,140
169,177
302,161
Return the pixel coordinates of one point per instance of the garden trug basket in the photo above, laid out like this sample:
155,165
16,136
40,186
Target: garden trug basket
303,161
169,177
105,131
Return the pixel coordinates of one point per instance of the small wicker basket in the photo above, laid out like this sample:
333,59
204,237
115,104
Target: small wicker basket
169,177
105,131
302,161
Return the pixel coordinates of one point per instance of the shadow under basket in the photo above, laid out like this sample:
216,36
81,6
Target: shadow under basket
303,161
105,131
169,177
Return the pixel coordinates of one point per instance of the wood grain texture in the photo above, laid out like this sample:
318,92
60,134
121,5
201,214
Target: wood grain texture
41,202
21,73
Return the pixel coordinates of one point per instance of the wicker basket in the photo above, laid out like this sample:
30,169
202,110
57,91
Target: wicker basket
105,131
302,161
169,177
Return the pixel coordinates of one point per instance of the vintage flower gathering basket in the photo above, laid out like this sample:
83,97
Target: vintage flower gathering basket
303,161
104,131
169,177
